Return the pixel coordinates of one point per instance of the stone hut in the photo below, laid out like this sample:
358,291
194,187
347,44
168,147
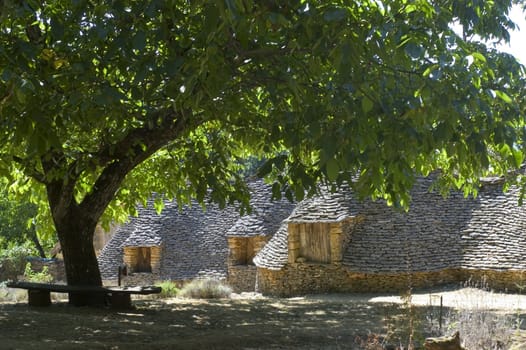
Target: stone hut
330,243
333,243
251,233
180,244
185,243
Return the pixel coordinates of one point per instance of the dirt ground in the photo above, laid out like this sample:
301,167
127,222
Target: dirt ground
243,322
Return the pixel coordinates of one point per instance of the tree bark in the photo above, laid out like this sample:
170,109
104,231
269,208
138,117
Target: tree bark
75,233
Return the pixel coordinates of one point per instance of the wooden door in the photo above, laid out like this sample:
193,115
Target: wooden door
144,260
315,244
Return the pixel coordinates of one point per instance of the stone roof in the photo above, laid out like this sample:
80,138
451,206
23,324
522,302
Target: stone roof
485,232
266,215
146,230
274,255
426,238
110,257
195,243
193,240
327,206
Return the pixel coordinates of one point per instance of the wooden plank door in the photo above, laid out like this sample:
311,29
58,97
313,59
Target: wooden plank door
315,244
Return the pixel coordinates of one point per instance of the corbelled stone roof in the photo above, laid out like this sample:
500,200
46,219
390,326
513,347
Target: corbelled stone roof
425,238
147,227
110,257
274,255
193,240
266,215
485,232
327,206
437,233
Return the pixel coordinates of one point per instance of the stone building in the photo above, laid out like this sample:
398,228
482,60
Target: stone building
190,242
250,234
370,247
330,243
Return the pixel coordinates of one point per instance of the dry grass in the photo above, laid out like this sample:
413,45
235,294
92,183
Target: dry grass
481,325
205,289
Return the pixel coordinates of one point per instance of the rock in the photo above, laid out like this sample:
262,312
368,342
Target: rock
444,343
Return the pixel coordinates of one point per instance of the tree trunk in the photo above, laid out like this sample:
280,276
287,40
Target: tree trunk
75,232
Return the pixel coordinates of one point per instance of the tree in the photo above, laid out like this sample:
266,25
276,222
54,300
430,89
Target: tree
102,103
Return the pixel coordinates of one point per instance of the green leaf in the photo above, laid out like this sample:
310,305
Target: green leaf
478,57
333,169
367,104
518,156
503,96
276,191
158,204
414,51
57,29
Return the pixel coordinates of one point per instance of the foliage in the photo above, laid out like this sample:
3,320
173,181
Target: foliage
13,260
103,103
17,224
32,276
169,289
207,288
401,92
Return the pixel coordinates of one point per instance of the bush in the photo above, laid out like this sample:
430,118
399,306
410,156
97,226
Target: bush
13,261
206,289
43,276
169,289
11,295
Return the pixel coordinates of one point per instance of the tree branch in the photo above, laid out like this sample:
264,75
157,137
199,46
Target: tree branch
132,150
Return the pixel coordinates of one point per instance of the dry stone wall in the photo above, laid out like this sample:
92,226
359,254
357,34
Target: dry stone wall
310,279
140,279
242,278
302,278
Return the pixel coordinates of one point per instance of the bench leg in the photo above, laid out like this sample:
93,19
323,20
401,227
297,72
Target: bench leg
38,297
120,300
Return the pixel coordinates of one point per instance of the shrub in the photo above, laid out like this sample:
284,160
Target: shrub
12,261
206,289
43,276
169,289
11,295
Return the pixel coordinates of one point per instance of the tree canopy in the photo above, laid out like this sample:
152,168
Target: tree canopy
103,103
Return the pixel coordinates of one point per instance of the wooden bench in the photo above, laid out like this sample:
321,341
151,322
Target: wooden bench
39,294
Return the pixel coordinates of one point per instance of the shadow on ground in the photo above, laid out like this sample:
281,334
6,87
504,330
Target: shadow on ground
300,323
